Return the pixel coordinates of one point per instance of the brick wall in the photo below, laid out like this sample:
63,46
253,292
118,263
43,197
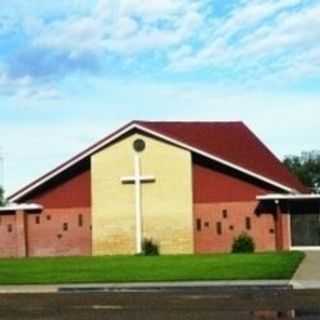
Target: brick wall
225,205
8,235
220,222
59,232
52,232
63,228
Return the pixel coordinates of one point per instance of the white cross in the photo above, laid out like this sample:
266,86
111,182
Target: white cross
137,179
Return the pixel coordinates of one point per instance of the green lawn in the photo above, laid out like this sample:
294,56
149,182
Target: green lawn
163,268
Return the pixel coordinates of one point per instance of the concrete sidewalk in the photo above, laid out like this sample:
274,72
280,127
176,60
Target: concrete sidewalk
308,274
145,287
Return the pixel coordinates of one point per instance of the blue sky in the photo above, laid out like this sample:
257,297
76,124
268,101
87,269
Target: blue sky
73,70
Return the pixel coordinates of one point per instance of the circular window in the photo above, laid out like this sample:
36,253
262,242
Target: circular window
139,145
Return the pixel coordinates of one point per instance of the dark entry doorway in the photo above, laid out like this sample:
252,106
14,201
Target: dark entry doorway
305,229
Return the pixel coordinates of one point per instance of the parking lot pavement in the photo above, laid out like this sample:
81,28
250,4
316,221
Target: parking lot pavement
188,304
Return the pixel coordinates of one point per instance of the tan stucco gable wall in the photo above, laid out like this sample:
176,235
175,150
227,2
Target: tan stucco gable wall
167,203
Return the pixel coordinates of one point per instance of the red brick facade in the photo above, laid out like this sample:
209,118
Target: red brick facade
62,228
225,205
8,235
221,222
59,232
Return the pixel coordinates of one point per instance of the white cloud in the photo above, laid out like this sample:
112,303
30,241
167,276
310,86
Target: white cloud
254,38
123,27
75,36
25,89
8,84
258,37
298,30
252,13
42,93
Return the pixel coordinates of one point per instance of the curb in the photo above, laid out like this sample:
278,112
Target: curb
305,284
211,286
170,289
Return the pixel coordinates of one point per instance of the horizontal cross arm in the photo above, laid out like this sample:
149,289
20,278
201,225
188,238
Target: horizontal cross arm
133,179
148,179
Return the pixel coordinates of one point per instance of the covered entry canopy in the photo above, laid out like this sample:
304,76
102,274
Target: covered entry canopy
300,213
295,196
14,207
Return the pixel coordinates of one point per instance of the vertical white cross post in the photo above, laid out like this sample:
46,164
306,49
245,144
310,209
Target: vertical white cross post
137,179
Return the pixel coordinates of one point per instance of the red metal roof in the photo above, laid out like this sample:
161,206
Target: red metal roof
231,141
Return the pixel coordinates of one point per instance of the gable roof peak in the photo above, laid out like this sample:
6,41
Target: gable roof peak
231,143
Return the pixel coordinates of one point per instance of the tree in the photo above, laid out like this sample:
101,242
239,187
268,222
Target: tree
2,202
307,168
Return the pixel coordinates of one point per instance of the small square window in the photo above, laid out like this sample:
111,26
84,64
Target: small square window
48,217
65,227
219,228
248,223
37,220
231,228
225,213
80,220
207,224
198,224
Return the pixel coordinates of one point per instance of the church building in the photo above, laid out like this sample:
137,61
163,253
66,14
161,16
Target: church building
191,187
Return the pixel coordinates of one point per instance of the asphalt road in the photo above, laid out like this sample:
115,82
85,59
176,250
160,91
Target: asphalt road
204,304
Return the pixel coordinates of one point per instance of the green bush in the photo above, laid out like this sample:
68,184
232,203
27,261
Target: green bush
149,248
243,244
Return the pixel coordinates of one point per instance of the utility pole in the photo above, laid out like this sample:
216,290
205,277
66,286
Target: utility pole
1,168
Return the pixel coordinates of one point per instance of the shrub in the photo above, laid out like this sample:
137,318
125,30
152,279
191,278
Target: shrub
243,244
149,248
